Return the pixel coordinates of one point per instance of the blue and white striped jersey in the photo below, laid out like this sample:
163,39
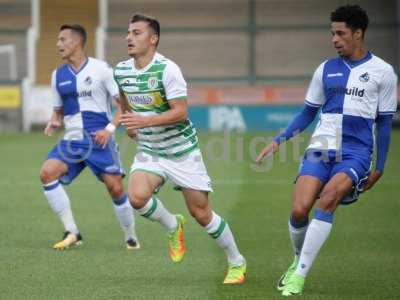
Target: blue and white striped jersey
351,95
85,97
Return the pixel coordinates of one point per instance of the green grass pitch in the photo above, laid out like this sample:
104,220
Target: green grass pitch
361,259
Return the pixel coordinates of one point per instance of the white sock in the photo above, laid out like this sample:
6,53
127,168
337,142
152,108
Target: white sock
220,231
317,233
154,210
60,204
297,233
125,215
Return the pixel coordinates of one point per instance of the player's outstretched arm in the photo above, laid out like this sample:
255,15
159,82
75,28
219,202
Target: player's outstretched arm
383,126
177,113
299,123
55,122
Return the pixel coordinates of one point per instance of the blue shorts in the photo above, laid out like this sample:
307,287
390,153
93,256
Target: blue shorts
77,155
325,165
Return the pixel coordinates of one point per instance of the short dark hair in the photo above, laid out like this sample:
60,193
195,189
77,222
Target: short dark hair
152,22
79,29
353,15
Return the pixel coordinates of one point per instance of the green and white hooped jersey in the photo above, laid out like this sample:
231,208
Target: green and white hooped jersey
148,91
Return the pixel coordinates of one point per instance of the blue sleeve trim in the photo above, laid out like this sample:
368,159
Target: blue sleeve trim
383,126
383,113
299,123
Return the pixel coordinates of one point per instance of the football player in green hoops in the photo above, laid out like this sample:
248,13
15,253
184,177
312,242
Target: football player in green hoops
154,96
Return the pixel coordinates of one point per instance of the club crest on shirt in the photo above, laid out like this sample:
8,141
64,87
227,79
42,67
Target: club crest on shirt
88,80
152,83
364,77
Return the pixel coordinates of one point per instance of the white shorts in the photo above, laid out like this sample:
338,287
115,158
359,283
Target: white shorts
187,171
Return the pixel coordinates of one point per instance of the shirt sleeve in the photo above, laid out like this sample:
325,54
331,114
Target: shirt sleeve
109,82
57,101
387,94
384,126
298,124
174,83
315,94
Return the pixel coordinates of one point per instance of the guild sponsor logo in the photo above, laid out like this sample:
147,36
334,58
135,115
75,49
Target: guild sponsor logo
83,94
140,99
364,77
340,90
